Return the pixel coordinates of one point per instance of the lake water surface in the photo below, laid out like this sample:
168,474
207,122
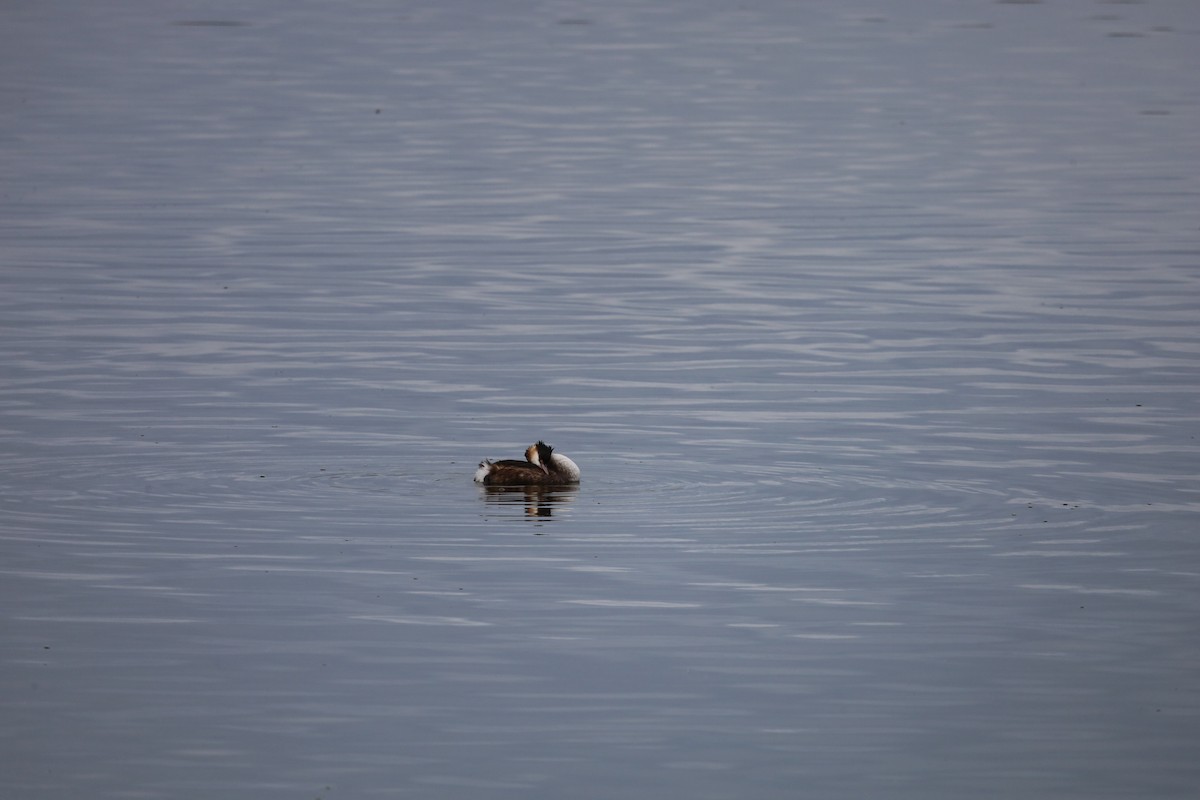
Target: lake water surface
875,329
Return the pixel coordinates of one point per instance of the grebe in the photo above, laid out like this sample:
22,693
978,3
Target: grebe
558,467
541,466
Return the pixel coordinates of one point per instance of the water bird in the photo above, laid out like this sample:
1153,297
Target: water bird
542,466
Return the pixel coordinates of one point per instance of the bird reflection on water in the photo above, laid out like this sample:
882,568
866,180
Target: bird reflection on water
539,501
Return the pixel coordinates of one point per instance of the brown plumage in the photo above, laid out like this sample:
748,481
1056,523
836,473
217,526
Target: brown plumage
511,472
542,466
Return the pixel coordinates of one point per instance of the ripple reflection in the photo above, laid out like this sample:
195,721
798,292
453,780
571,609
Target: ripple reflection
535,501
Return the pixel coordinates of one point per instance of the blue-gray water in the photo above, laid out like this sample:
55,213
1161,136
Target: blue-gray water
875,329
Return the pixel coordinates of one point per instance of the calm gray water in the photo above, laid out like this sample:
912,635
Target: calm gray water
875,329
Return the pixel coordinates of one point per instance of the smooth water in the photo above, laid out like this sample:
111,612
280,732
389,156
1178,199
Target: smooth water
874,328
